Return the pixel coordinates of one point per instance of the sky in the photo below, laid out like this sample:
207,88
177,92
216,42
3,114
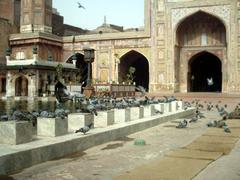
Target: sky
126,13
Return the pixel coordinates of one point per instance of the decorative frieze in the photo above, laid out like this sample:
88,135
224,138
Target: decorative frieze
222,12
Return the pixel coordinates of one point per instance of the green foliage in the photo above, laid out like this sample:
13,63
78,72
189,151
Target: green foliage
59,71
130,76
8,51
34,50
78,77
50,58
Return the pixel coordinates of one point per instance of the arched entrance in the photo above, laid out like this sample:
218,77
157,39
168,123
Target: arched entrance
82,66
205,73
140,63
200,32
21,86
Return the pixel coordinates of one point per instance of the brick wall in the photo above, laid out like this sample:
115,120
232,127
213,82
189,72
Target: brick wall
5,30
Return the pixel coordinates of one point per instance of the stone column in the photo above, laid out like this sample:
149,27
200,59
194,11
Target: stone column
1,84
10,90
117,62
32,91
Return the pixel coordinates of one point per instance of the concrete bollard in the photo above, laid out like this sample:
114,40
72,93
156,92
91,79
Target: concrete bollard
179,105
15,132
159,107
51,127
149,110
167,107
122,115
104,118
78,120
136,113
173,106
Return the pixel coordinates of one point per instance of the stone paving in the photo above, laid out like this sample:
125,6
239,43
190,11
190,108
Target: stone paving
111,159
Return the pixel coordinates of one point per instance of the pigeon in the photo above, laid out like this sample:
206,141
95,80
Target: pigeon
158,112
194,119
63,95
226,129
142,90
199,114
212,123
84,129
91,109
221,123
182,124
80,6
4,118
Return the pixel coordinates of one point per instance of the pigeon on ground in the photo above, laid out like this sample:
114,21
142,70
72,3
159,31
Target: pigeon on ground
84,129
221,123
182,124
212,123
226,129
199,114
194,119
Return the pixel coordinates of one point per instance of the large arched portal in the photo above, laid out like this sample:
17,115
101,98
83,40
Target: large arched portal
200,32
140,63
82,66
21,86
205,73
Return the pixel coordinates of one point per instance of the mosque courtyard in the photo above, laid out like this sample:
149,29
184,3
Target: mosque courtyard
160,157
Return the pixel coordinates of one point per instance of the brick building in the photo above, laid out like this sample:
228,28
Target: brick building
182,44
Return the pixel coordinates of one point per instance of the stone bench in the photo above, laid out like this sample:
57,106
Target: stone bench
51,127
78,120
122,115
15,132
104,118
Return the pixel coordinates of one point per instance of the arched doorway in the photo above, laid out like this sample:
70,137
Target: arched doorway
199,32
21,86
140,63
82,66
205,73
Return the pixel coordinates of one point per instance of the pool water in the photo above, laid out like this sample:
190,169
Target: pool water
8,106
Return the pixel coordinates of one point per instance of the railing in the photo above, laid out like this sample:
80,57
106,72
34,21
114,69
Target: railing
117,90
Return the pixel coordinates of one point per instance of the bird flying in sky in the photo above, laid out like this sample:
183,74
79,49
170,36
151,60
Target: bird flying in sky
80,5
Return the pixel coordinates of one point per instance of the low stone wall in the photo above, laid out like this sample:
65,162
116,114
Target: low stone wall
14,158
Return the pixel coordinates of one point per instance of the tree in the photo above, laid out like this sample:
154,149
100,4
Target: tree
59,71
130,76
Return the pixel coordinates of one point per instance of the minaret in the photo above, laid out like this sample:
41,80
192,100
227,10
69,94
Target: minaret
36,16
105,20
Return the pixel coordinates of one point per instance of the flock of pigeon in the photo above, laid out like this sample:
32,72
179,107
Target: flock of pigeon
96,103
221,123
85,105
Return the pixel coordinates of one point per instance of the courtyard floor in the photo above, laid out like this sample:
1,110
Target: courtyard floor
109,160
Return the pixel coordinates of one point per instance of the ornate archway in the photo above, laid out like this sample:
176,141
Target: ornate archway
140,63
204,73
82,66
200,32
21,86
